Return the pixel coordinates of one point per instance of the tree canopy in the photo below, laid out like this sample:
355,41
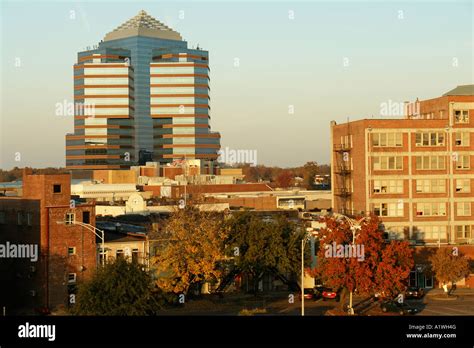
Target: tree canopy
260,246
383,267
449,265
119,288
190,249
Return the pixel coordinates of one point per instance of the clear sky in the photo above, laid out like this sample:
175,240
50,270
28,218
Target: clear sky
323,60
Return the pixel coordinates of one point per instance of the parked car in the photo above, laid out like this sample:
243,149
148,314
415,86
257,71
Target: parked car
309,294
327,293
395,306
413,292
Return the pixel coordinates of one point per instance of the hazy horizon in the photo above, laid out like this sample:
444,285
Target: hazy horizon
323,60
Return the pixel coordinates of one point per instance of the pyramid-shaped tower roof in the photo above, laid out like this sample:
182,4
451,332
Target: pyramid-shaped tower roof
143,25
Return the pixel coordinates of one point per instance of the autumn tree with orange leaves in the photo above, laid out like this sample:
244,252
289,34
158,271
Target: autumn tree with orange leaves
449,265
384,267
191,247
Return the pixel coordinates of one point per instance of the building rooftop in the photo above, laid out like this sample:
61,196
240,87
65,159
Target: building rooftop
461,90
143,25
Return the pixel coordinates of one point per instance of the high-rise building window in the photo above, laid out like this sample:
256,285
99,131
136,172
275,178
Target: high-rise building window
463,185
388,162
389,139
463,162
429,139
462,138
430,162
389,209
464,208
431,233
463,231
396,232
388,186
431,185
461,116
430,209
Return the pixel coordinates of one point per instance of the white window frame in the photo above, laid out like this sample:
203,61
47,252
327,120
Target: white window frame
461,116
387,139
394,186
463,185
391,209
431,233
429,185
463,162
464,230
426,162
463,208
430,139
462,138
383,162
430,209
68,219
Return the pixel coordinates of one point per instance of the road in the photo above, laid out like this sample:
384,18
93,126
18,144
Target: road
464,305
279,304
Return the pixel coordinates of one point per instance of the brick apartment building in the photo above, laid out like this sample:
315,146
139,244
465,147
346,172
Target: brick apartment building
67,252
415,172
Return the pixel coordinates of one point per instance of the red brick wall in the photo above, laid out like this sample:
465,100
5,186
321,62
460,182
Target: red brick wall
49,279
61,237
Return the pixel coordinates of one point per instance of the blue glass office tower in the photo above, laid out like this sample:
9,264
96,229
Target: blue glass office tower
142,88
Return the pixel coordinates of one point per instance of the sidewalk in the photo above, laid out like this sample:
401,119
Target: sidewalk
457,292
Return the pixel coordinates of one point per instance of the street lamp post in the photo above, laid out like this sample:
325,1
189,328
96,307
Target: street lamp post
92,229
302,275
355,225
303,243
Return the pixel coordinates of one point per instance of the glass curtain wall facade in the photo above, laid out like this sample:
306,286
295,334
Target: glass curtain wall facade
180,107
150,93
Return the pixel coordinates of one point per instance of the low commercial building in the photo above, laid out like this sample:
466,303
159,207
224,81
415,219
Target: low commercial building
105,192
124,241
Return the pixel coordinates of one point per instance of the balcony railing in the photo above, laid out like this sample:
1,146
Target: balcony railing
343,170
341,147
342,192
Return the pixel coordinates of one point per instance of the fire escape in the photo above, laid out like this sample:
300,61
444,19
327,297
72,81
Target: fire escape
343,174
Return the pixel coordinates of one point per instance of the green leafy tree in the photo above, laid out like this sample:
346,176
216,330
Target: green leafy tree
119,288
264,246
